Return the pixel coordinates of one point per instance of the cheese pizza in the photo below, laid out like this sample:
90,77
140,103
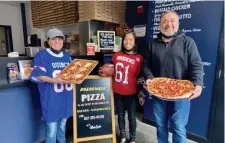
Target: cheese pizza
77,70
27,71
172,89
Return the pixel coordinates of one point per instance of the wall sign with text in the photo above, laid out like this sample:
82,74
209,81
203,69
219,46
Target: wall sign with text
106,40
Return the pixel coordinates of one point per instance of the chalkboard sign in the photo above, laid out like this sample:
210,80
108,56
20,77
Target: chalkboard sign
94,110
106,40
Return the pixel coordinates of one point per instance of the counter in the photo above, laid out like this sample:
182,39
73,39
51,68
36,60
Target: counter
4,60
3,71
19,108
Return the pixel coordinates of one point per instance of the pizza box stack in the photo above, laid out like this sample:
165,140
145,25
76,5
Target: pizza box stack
52,13
95,10
35,13
118,11
70,11
108,11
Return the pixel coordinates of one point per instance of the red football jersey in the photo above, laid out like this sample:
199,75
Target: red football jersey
127,69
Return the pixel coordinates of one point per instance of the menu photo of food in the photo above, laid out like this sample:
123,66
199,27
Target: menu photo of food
25,67
13,73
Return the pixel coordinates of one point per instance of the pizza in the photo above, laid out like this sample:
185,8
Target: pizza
77,70
172,89
27,71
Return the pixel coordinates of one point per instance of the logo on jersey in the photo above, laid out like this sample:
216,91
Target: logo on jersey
60,64
138,59
40,67
126,59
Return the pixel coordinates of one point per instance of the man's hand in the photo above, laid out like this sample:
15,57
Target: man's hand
147,82
196,92
141,100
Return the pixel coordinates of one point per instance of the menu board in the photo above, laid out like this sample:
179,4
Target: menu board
94,109
106,40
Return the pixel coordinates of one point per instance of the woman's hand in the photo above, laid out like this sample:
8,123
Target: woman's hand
58,80
100,72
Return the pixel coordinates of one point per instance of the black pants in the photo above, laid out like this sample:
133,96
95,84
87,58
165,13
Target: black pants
128,103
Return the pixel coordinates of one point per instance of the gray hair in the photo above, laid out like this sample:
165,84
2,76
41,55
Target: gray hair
174,12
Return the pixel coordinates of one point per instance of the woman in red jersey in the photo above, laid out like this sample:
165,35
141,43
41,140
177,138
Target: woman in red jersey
127,65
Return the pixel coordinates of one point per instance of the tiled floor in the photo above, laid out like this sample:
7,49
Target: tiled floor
145,133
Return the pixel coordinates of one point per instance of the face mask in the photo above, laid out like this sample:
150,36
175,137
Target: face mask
132,49
128,50
165,36
55,51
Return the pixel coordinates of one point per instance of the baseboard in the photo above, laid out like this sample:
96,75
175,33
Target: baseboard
190,136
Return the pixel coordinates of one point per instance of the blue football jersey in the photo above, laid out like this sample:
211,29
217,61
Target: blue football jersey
56,99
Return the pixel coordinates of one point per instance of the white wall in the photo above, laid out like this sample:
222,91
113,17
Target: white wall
10,14
30,29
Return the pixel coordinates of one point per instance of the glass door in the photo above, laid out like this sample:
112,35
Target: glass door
3,48
6,45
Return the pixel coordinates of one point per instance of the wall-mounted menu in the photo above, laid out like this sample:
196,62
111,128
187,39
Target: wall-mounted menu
106,40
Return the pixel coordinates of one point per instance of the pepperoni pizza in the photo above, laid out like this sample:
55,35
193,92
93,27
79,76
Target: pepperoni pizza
172,89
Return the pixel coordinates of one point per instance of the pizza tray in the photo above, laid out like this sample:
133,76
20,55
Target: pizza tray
80,81
167,99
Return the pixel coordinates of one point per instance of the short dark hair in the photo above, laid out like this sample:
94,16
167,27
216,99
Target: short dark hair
46,44
134,35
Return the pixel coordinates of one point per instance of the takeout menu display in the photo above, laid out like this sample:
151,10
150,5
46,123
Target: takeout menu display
106,39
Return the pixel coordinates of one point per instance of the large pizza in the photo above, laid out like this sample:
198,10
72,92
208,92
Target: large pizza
77,70
171,89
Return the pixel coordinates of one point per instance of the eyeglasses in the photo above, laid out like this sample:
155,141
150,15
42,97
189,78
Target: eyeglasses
128,30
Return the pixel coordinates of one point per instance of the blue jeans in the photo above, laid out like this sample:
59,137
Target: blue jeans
128,103
175,111
56,131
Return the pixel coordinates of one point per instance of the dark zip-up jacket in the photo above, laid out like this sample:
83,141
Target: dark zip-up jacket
178,59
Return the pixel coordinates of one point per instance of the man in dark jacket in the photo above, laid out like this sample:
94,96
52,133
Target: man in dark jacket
176,56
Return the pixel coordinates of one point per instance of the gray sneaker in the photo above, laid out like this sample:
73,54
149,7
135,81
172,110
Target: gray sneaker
123,140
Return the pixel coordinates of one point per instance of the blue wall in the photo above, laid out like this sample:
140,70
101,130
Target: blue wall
133,18
20,116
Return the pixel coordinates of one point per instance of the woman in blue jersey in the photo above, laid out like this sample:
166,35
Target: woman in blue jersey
55,94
